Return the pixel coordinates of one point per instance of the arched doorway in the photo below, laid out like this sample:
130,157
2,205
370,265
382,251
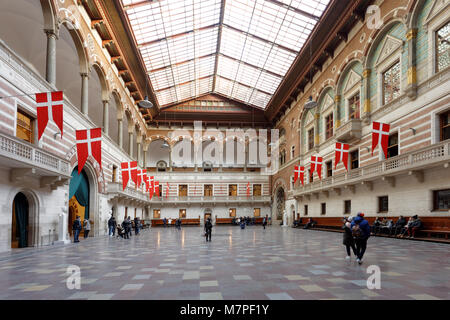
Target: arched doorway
20,221
280,203
79,194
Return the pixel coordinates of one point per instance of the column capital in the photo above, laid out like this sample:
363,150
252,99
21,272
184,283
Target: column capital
51,33
411,34
337,98
84,75
105,102
366,73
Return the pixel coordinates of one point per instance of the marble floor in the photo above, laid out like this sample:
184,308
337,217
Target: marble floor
276,263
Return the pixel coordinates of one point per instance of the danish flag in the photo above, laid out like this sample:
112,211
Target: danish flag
49,108
139,177
248,189
299,172
167,190
157,188
129,170
146,180
380,135
89,143
152,186
341,153
316,163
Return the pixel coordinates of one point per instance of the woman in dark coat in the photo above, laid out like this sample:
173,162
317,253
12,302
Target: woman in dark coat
348,240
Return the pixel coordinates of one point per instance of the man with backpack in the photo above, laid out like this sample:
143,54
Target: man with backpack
264,222
361,233
208,229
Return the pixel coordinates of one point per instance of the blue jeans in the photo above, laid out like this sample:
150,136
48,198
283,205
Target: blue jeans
76,233
112,231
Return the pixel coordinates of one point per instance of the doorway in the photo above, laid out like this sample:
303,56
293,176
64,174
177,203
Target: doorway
20,221
79,193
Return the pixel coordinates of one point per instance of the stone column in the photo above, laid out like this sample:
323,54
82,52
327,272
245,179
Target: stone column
130,143
50,74
170,158
145,149
138,152
411,88
337,115
316,130
106,117
366,87
84,93
120,137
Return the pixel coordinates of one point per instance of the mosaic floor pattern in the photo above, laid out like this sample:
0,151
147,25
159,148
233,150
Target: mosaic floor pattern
276,263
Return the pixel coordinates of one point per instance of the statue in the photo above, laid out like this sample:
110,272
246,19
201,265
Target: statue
284,218
62,229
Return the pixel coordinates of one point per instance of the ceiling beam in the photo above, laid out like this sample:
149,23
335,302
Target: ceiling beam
219,41
253,66
303,13
180,63
139,4
242,84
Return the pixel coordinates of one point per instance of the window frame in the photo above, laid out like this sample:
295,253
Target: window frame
441,126
232,212
159,213
180,211
330,168
329,130
33,124
391,65
380,204
310,143
435,48
435,201
350,158
323,208
349,202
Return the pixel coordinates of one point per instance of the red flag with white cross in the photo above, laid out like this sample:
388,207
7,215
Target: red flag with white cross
89,143
157,188
248,189
152,187
167,190
316,165
126,173
341,153
380,136
299,172
49,108
146,179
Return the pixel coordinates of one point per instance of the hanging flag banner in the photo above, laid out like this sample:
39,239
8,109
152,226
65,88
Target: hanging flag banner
157,188
49,108
341,153
146,180
140,177
316,165
127,172
380,136
299,172
152,187
167,190
248,189
89,143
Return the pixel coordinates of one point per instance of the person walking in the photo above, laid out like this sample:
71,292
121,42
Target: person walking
208,229
86,227
136,226
348,240
129,226
76,227
264,223
164,222
112,226
361,233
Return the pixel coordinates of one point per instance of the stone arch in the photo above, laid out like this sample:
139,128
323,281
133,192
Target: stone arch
105,88
98,92
183,152
127,127
414,9
22,25
378,35
34,205
78,40
156,152
49,9
115,114
345,67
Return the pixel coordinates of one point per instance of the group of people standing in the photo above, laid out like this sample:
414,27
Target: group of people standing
125,229
78,226
356,234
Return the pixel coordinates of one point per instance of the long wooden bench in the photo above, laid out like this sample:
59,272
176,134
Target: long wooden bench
434,228
184,222
224,220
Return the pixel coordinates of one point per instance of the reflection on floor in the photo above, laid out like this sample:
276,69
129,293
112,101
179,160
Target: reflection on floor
276,263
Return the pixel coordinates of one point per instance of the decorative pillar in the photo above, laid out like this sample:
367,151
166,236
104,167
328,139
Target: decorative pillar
366,88
337,100
106,117
120,134
50,74
84,93
138,152
316,129
170,158
130,143
411,88
144,149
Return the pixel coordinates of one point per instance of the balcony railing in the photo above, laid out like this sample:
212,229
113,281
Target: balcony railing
25,155
212,199
116,190
413,161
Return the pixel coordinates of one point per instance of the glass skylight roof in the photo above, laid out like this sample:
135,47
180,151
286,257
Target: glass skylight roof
259,40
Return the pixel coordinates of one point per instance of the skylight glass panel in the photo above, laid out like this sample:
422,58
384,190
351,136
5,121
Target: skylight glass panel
259,41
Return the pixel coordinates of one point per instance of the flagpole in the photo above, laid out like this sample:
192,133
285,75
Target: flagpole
23,95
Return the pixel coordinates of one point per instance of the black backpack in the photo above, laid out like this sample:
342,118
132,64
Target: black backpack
356,232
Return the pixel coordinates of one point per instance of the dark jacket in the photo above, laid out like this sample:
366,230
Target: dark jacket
76,225
112,222
363,225
400,222
417,223
348,237
208,225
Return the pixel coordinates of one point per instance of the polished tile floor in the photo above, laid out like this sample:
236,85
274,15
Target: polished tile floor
276,263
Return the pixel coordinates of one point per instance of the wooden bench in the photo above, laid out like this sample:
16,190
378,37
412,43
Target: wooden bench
184,222
224,220
194,221
434,228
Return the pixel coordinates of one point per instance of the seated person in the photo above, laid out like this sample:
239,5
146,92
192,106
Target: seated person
120,231
398,226
405,229
297,222
416,225
387,226
375,226
310,224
